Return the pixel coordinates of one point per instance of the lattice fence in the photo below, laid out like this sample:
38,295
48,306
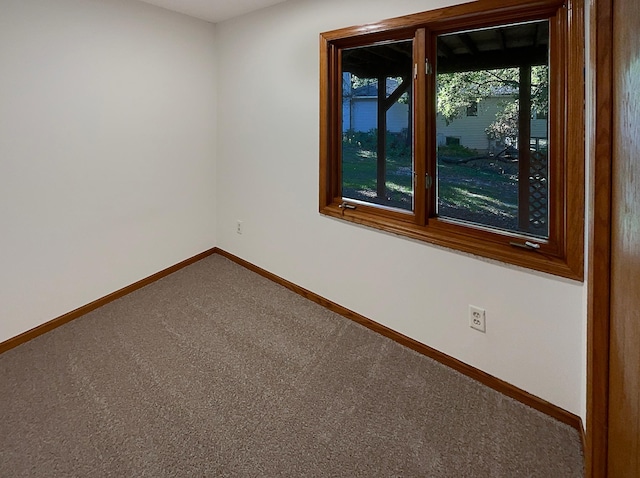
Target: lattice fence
539,193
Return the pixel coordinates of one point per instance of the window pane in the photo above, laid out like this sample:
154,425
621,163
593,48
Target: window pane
495,172
377,157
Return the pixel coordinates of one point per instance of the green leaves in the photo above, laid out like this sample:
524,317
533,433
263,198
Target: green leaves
458,91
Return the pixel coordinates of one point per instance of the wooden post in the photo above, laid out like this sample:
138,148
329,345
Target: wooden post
382,139
524,155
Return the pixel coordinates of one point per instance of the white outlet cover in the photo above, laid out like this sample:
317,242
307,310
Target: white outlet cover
477,318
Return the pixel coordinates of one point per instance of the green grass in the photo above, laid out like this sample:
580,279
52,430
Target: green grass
359,176
476,191
478,194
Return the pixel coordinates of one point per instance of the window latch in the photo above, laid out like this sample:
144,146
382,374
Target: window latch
344,206
427,67
428,181
527,245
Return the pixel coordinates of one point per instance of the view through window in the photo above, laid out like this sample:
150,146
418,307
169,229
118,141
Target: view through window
377,159
495,173
463,127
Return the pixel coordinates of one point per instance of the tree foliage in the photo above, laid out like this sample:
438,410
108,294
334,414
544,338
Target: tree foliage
352,82
458,91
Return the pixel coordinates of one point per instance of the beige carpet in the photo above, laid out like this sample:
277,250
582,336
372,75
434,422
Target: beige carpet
216,371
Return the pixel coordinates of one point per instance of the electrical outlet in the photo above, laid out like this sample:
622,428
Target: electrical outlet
239,227
477,318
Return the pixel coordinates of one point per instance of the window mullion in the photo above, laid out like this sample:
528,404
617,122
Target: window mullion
421,194
430,113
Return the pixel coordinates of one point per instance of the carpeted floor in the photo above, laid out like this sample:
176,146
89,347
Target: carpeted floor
216,371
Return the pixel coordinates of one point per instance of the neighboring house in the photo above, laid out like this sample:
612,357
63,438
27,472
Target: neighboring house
360,113
360,108
469,129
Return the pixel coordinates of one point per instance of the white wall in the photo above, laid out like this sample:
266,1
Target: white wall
107,150
268,177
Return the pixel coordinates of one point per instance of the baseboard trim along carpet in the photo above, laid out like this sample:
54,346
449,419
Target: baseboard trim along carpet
85,309
489,380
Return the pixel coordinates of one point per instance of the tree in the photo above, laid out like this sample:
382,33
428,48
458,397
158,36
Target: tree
351,82
458,91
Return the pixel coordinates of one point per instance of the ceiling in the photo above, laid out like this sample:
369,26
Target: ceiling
213,10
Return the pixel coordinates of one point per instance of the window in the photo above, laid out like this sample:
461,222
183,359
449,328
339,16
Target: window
472,109
480,183
452,141
398,152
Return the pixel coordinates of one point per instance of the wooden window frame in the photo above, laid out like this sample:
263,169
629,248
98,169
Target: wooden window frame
562,253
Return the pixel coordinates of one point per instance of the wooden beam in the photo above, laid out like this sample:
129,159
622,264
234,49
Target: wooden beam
375,61
491,60
381,183
445,49
524,160
468,43
502,38
397,93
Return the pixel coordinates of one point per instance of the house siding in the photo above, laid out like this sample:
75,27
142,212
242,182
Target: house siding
361,114
471,129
